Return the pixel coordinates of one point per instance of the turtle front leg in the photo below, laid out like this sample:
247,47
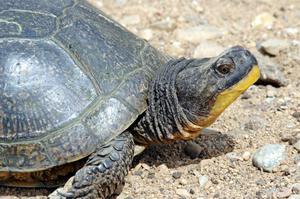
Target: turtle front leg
104,172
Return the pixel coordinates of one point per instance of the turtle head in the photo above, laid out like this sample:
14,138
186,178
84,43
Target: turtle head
206,87
188,95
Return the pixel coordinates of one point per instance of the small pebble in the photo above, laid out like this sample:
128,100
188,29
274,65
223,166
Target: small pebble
269,156
192,191
176,174
284,192
296,114
246,155
203,180
263,20
296,188
151,175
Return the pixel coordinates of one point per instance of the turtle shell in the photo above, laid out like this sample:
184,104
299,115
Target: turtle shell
71,79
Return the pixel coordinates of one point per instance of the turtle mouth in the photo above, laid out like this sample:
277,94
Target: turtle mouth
226,97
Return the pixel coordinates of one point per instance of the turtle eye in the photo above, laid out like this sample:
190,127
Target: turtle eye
224,67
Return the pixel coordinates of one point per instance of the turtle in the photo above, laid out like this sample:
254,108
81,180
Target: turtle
78,91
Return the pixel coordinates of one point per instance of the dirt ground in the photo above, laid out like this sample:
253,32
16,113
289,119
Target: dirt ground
264,115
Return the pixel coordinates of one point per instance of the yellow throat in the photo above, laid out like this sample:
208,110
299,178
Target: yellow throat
225,98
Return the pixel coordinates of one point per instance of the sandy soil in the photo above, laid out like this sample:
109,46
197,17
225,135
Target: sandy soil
263,117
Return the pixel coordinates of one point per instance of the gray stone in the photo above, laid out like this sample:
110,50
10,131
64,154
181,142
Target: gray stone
296,114
270,73
177,174
273,47
199,33
269,157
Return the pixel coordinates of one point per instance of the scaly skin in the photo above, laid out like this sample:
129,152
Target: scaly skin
103,174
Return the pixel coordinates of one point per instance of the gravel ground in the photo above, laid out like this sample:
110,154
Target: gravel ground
221,165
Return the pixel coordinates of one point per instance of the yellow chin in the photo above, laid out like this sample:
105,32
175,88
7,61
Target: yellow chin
225,98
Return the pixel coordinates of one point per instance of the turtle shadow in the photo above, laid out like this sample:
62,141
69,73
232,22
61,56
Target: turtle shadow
209,144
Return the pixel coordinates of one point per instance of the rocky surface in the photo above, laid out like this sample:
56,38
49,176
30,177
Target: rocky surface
221,165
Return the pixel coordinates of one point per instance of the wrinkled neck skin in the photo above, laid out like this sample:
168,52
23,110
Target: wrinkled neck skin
167,118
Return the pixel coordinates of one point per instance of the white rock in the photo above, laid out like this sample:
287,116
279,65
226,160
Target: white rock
246,155
208,49
203,180
263,20
199,33
269,156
